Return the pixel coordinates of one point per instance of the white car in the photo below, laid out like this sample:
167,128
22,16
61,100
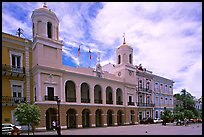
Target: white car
7,128
158,120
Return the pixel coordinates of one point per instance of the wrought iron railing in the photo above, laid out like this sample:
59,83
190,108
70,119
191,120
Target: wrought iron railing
13,100
99,101
12,69
131,103
143,89
85,100
70,99
109,102
119,102
51,98
145,104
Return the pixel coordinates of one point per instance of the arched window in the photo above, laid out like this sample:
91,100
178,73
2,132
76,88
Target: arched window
119,59
49,30
130,58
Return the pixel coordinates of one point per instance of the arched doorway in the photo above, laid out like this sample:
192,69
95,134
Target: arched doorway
109,118
132,116
97,94
70,91
119,117
98,118
109,95
85,118
71,118
119,96
51,115
85,93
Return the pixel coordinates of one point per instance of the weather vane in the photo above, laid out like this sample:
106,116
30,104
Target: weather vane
99,58
124,38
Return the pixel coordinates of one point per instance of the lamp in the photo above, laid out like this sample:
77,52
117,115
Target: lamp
58,123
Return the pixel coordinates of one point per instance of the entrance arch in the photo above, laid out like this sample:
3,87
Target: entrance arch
70,91
109,117
51,115
85,118
71,118
98,117
119,117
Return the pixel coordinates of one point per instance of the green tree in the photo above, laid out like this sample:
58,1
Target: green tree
185,108
166,116
28,114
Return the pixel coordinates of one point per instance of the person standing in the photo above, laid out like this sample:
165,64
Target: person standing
15,131
53,124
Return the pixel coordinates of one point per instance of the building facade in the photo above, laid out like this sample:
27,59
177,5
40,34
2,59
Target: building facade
110,95
163,95
16,75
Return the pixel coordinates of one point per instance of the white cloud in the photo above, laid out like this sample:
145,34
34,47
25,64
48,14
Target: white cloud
158,31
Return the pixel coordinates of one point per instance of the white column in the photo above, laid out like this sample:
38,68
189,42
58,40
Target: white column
114,96
27,74
78,94
103,95
39,88
145,98
91,94
62,92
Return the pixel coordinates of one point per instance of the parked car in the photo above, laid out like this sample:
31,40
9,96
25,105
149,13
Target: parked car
158,120
146,121
7,128
199,120
180,122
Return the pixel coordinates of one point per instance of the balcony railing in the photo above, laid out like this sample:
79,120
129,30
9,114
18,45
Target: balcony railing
119,102
51,98
143,89
8,100
131,103
109,102
141,104
70,99
99,101
85,100
13,70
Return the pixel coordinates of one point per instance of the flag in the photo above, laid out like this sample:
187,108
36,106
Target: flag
79,51
90,54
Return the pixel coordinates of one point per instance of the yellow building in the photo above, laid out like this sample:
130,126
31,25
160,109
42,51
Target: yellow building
16,75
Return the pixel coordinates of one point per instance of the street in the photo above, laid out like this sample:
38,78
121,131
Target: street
149,129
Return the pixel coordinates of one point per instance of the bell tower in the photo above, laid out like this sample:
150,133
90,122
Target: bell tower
124,62
124,54
47,48
45,23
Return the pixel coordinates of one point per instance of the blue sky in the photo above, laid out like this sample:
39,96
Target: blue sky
166,37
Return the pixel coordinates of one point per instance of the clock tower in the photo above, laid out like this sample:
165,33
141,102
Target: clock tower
124,62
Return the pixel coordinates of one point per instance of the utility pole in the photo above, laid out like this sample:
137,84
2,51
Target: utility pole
19,32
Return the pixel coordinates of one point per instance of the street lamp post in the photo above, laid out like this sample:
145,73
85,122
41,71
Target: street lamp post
58,125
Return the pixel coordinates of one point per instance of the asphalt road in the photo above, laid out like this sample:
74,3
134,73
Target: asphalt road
149,129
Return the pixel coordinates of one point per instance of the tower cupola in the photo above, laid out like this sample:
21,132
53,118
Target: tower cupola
45,23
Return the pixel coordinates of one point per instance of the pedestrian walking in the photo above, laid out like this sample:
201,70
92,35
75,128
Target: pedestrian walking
15,131
185,121
54,124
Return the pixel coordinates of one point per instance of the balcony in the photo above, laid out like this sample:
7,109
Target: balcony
143,89
141,104
8,70
109,102
8,100
131,103
98,101
70,99
51,98
119,102
85,100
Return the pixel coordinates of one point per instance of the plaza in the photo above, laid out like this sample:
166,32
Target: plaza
152,129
